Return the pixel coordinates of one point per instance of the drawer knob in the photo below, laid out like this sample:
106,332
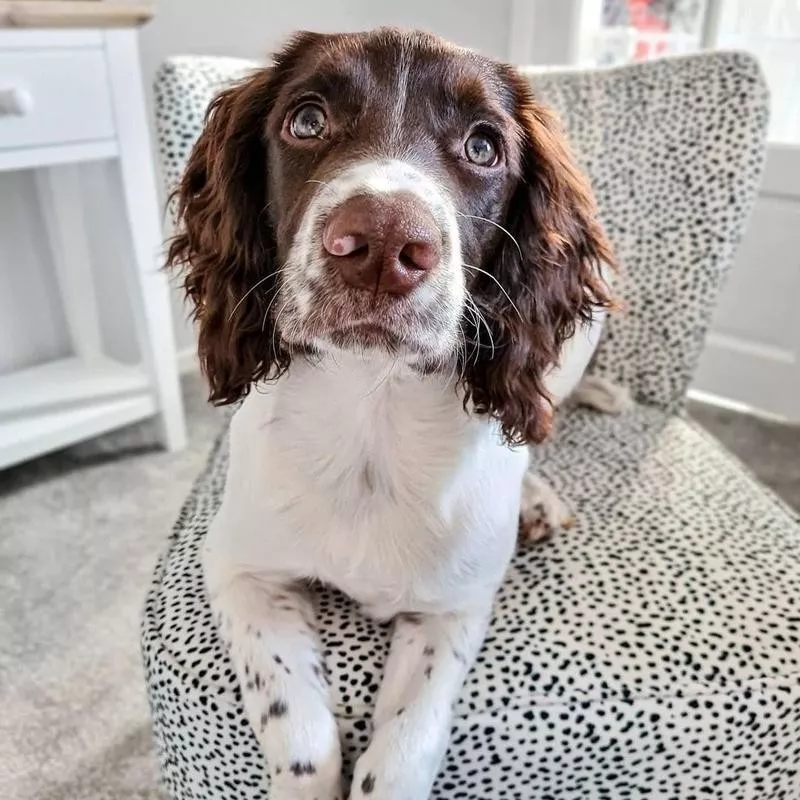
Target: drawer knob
15,102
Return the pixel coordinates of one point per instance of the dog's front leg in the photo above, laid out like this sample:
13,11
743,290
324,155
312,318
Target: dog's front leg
267,626
428,660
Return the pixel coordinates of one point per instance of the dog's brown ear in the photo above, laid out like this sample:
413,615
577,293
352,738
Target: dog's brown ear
549,274
225,243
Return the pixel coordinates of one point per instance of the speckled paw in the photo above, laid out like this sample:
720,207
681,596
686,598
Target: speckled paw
542,511
603,395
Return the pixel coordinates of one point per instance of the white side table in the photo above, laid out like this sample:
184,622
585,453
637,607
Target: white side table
67,97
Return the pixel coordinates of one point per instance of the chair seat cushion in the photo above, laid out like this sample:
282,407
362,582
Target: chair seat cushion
652,650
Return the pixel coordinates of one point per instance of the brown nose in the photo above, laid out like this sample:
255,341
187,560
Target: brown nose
384,243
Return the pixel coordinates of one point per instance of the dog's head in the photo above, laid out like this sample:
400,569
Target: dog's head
389,191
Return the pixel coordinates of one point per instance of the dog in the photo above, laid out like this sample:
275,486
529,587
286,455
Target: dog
393,258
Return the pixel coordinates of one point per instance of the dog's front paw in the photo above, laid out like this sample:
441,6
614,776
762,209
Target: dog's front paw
307,788
400,764
542,512
308,780
301,793
601,394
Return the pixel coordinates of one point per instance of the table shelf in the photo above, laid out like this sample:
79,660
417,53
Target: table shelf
21,439
61,384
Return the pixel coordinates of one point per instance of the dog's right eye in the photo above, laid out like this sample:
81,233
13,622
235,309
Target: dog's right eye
480,149
308,122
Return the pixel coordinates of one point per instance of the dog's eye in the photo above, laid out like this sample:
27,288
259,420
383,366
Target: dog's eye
481,150
308,122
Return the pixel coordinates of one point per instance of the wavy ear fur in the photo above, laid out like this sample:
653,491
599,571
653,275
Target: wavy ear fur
225,243
552,276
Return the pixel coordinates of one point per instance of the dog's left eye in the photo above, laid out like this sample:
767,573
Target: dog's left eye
480,149
308,122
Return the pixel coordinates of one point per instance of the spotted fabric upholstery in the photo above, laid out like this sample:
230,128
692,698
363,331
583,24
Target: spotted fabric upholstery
654,649
674,149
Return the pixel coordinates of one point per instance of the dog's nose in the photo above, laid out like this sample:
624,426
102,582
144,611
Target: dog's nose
384,243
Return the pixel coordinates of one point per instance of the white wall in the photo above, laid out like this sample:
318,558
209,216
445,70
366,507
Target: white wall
752,353
31,322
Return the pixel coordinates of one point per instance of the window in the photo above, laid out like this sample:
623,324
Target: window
770,30
635,30
621,31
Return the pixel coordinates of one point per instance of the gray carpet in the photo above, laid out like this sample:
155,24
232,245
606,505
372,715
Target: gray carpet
79,535
770,449
80,532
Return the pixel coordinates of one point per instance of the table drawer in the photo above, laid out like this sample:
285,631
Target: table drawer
49,98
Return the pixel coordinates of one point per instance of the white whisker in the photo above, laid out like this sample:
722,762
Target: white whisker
455,357
480,319
248,292
497,225
275,326
382,380
264,321
461,356
470,307
500,285
321,183
476,343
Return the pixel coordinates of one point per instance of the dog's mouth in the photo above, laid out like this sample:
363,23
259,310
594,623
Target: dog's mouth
358,319
369,335
347,319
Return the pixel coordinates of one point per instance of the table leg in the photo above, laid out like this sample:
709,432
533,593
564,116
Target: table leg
148,284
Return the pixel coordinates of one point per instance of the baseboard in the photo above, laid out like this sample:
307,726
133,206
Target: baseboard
762,379
710,399
187,361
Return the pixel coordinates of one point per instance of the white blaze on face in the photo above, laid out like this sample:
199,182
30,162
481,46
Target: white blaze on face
443,289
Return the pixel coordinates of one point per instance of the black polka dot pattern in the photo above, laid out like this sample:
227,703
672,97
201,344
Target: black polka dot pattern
183,88
654,649
655,645
674,148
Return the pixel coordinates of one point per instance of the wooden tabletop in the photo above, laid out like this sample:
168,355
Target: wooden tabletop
72,14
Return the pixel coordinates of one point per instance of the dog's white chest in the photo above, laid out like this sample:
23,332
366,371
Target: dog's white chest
382,487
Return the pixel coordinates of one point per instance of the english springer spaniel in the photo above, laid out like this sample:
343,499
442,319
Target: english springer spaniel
394,259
